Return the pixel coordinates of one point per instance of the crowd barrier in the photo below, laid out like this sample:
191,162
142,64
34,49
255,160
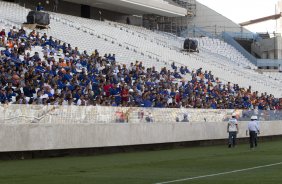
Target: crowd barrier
29,128
102,114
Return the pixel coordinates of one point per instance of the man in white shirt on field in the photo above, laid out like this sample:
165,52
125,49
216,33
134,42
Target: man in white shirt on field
232,129
253,129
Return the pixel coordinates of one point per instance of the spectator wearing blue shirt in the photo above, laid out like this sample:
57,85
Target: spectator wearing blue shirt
182,70
3,95
173,66
147,102
7,52
39,7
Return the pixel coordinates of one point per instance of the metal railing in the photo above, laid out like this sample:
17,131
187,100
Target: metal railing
229,39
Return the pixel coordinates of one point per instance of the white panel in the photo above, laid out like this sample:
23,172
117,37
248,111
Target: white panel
26,137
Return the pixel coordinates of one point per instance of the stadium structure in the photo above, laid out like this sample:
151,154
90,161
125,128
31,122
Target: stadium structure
235,71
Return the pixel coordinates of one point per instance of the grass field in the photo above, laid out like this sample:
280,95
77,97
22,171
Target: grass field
153,167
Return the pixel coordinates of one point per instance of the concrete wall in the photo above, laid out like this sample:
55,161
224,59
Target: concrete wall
105,14
269,48
63,7
42,136
278,8
158,7
213,22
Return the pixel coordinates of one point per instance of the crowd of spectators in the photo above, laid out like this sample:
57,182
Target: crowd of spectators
60,74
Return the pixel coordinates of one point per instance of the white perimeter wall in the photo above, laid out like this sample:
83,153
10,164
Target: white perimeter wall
42,136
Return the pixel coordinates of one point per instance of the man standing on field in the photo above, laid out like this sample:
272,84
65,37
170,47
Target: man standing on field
253,129
232,129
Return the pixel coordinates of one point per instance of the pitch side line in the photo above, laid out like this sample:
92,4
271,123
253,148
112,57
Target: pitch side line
211,175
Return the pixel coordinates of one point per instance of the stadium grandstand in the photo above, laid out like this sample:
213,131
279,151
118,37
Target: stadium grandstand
105,61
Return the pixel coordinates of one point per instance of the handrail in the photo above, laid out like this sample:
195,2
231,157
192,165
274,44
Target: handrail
131,45
229,39
144,34
161,41
153,53
195,30
109,36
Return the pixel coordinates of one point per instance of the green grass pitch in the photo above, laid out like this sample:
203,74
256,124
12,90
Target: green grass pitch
152,167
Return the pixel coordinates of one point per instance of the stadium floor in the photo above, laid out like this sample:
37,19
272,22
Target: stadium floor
222,165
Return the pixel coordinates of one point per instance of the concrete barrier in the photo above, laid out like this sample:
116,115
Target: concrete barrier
42,136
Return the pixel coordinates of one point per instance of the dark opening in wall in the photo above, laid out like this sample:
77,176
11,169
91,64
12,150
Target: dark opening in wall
85,11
